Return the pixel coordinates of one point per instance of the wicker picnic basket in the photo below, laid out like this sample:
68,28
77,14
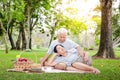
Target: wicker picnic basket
23,65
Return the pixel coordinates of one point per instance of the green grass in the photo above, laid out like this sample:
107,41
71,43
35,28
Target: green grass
110,69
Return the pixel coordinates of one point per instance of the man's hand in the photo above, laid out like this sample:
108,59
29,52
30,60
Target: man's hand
85,57
81,52
41,62
45,58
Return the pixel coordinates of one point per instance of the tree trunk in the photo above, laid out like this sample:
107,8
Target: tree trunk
18,42
11,39
5,39
23,37
32,25
53,31
106,45
52,35
28,27
4,35
30,40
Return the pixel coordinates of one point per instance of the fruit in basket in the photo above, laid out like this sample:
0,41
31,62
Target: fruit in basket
25,59
22,59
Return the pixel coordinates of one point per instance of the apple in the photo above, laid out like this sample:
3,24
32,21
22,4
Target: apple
25,59
20,59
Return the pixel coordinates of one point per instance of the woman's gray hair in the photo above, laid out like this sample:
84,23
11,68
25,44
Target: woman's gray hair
62,30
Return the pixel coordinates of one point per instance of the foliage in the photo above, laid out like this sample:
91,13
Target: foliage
44,14
46,18
116,23
73,25
97,41
98,8
16,14
116,26
97,19
109,68
14,10
56,19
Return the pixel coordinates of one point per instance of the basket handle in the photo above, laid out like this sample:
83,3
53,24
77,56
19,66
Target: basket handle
19,55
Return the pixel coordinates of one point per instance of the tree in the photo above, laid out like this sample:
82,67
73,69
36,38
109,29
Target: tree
4,35
32,9
6,18
106,45
22,16
12,15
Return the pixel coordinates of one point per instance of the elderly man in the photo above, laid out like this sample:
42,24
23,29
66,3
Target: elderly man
68,44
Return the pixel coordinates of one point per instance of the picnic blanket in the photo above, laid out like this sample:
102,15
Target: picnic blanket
45,69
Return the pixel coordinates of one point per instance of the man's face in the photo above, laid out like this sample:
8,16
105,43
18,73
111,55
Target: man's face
62,37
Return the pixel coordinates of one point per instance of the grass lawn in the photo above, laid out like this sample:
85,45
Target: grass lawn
110,69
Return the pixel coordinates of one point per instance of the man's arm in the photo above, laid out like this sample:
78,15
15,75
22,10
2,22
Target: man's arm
83,54
50,50
51,61
44,59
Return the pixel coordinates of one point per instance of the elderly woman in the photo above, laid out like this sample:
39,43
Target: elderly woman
72,60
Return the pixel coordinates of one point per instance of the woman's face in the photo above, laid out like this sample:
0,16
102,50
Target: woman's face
60,50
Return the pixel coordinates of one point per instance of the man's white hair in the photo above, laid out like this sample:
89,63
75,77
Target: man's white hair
62,30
